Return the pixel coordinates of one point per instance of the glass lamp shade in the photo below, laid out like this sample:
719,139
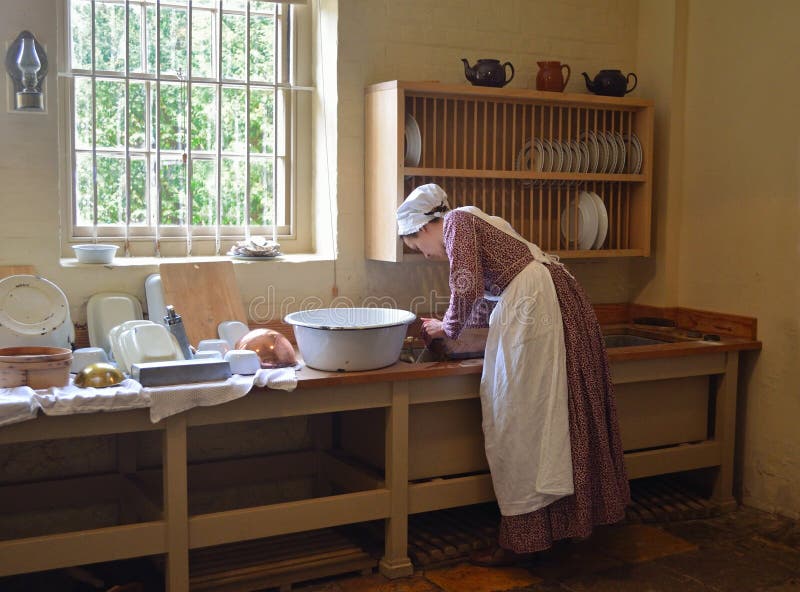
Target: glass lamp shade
29,64
26,64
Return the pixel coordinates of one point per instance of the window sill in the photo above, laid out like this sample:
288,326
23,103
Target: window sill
153,262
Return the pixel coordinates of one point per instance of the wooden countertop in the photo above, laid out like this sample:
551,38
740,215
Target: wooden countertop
683,345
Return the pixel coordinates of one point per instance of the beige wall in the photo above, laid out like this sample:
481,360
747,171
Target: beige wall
726,191
739,247
377,40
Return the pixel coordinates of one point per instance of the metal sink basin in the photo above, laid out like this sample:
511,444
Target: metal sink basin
631,341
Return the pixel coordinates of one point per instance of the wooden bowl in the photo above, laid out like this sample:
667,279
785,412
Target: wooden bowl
36,367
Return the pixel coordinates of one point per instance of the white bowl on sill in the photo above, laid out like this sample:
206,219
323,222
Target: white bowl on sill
95,253
350,339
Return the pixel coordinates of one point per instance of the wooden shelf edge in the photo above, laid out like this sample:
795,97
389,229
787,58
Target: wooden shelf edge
523,175
468,90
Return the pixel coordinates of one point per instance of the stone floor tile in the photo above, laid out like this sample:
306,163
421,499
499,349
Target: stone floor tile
643,577
637,543
472,578
792,585
566,560
730,567
379,583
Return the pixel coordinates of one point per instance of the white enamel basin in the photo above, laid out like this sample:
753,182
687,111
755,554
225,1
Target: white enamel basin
348,339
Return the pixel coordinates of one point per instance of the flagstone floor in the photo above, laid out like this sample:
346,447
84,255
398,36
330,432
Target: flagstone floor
743,551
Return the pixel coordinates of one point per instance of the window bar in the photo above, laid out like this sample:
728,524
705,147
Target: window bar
158,132
217,247
127,245
274,121
187,147
504,137
94,130
247,126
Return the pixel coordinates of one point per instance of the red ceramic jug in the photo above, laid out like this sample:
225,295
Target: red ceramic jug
550,76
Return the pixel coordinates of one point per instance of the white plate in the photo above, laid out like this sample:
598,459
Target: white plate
413,141
33,311
114,343
621,152
154,295
637,148
587,221
106,310
557,161
566,152
148,343
602,220
593,147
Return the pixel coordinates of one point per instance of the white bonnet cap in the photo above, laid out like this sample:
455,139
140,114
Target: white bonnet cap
422,205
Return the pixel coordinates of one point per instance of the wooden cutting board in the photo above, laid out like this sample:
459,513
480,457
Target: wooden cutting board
204,294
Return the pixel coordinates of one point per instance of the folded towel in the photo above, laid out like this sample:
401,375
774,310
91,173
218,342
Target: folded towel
71,399
17,404
172,399
283,379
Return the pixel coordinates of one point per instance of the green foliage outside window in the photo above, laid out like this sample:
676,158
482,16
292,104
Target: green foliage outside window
169,114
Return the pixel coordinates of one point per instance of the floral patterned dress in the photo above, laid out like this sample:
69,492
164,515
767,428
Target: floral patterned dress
486,259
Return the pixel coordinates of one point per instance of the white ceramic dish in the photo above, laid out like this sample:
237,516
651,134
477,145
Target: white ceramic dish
154,295
217,345
34,311
243,361
207,354
148,343
587,222
350,339
232,332
95,253
593,148
413,149
84,356
106,310
114,343
602,220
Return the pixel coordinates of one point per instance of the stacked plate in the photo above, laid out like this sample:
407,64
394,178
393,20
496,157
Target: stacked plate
413,142
591,152
590,229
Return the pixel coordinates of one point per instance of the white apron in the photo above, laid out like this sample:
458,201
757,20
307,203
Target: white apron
524,388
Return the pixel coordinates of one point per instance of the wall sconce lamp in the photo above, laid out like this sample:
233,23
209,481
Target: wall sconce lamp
26,63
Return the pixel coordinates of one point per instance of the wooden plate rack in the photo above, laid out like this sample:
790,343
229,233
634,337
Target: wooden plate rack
474,142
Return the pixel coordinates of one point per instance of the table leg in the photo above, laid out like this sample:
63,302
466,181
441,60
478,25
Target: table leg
395,562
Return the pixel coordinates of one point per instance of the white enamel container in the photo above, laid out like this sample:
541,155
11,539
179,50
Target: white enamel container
349,339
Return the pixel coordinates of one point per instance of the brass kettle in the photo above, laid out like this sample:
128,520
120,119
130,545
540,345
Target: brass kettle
488,72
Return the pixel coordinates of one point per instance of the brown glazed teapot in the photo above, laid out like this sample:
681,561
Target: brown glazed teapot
610,83
488,72
550,76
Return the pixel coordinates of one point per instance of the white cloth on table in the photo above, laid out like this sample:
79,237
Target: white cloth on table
169,400
70,399
17,404
283,379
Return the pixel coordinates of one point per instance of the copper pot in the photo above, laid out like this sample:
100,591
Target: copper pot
273,349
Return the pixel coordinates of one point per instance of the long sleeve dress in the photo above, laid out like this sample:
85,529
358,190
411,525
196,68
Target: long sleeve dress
485,259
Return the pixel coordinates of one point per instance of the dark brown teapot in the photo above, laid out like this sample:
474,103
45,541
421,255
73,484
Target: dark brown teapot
610,83
488,72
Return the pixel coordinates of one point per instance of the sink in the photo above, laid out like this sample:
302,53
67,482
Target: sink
631,340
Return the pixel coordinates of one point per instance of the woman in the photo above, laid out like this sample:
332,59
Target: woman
549,417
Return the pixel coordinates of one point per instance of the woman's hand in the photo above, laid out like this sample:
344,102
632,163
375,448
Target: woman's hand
432,329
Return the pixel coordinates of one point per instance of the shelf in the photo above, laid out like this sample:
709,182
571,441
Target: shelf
526,156
521,175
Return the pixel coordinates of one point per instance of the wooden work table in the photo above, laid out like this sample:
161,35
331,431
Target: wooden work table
389,481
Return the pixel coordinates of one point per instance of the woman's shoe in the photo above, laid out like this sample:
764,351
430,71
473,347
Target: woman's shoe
496,556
